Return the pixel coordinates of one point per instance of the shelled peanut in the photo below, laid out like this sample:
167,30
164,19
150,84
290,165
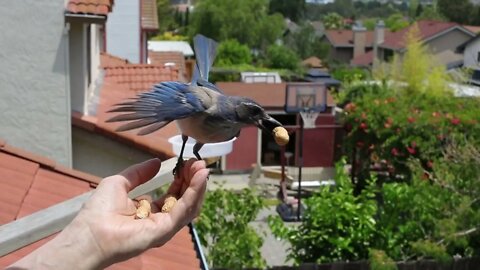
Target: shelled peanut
169,203
143,210
280,134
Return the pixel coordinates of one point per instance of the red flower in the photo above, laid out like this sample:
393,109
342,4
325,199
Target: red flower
411,120
395,151
455,121
411,150
363,125
350,107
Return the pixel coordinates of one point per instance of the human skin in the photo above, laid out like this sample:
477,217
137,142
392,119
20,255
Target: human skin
105,230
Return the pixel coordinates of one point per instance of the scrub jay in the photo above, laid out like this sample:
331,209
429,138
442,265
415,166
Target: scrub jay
200,109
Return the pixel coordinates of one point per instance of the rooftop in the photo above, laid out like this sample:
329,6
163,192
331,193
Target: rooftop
91,7
29,183
123,80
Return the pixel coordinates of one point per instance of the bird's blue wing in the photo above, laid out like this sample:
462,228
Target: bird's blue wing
153,110
205,53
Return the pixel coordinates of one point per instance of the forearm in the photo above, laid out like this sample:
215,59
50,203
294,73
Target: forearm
73,248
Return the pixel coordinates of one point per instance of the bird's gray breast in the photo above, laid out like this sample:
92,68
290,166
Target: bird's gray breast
205,128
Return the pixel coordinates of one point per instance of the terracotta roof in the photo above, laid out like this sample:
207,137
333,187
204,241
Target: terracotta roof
29,183
268,95
111,61
121,82
149,15
363,60
427,29
344,38
472,28
94,7
162,58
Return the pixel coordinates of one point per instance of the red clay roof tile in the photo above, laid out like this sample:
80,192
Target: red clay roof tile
28,185
427,30
124,80
94,7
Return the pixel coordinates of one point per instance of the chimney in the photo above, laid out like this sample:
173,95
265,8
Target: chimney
378,38
359,39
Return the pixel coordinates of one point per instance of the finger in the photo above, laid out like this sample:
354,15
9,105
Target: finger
177,187
140,173
188,206
188,172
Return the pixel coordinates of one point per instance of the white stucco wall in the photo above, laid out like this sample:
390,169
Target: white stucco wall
470,55
123,30
103,156
34,86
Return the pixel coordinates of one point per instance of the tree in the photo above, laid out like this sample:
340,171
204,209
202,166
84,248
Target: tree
292,9
166,16
281,57
396,22
244,20
431,13
460,11
231,52
333,21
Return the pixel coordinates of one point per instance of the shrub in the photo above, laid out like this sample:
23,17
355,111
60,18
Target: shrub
282,58
223,227
231,52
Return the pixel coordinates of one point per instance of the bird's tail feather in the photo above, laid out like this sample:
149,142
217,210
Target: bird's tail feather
205,53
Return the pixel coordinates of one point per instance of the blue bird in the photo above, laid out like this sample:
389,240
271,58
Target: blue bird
200,109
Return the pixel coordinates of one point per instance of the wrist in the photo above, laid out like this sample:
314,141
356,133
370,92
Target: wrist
72,248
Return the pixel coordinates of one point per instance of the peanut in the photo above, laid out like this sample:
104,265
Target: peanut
169,204
280,134
144,209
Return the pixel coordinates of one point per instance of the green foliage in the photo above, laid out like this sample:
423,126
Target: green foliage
224,229
460,11
281,57
431,250
169,36
357,9
379,260
292,9
249,23
349,74
396,22
337,225
414,190
431,13
333,21
166,16
306,43
231,52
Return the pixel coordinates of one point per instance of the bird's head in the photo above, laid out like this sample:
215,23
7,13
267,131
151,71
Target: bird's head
251,113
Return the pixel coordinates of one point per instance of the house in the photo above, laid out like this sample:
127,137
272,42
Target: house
30,183
96,142
441,38
471,57
48,70
54,89
128,29
255,147
347,44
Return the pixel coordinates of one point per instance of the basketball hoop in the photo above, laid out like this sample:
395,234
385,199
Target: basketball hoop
309,118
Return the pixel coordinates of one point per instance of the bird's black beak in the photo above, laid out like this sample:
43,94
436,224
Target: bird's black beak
267,124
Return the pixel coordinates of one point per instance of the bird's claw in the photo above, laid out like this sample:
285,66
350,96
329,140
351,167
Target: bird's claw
178,167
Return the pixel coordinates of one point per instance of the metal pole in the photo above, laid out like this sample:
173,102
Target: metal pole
300,165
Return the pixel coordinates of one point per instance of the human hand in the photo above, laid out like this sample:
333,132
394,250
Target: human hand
105,230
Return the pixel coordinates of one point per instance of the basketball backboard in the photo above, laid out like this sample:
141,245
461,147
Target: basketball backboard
306,97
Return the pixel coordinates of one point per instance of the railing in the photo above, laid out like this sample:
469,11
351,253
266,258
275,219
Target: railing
31,228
